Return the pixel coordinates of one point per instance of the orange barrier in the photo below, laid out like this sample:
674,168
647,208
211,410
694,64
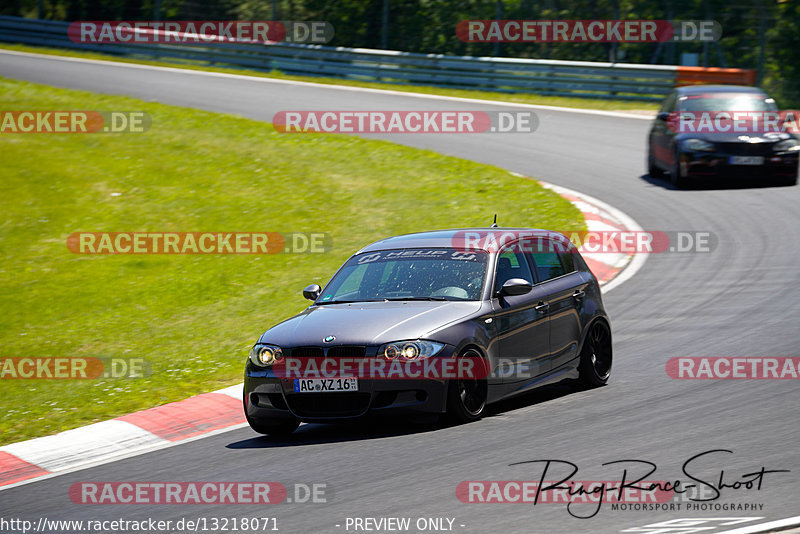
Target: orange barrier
702,75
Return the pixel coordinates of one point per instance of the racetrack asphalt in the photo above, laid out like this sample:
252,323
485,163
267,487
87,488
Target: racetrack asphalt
742,299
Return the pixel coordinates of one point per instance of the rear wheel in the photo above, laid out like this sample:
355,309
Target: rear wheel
466,397
596,356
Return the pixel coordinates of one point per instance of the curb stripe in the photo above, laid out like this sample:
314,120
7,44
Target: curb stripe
12,469
602,271
190,417
635,261
82,445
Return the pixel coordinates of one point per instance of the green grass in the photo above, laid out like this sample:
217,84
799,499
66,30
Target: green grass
520,98
193,318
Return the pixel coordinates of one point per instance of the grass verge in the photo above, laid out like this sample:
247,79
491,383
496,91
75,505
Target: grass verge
519,98
193,318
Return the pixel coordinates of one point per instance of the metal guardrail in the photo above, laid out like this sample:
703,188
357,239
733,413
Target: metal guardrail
548,77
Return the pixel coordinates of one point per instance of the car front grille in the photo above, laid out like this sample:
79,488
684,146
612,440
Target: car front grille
342,351
306,352
328,404
347,352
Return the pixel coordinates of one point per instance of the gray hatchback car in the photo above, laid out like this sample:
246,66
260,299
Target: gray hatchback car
441,322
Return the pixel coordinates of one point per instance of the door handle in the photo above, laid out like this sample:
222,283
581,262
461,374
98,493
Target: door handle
542,307
579,294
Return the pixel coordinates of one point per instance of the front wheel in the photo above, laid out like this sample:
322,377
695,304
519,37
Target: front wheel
466,397
596,356
652,169
678,181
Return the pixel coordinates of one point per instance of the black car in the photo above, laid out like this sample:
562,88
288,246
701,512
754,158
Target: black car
519,304
695,136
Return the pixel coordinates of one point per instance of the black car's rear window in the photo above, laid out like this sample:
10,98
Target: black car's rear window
727,102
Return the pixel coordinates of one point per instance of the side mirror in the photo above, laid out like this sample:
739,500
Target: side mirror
515,286
312,292
663,116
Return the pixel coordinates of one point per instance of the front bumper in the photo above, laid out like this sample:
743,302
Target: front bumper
719,165
270,397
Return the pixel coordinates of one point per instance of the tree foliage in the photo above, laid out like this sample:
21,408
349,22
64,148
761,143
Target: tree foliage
428,26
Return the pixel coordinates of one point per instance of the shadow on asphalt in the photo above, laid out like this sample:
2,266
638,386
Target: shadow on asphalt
387,427
715,184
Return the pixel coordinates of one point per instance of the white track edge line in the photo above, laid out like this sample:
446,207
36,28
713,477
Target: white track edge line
124,455
616,114
766,527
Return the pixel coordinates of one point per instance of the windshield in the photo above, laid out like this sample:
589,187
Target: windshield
727,102
408,274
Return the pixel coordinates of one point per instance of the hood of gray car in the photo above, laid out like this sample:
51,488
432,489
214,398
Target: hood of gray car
367,323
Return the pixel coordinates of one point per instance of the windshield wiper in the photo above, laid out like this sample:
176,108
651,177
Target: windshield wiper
345,301
417,298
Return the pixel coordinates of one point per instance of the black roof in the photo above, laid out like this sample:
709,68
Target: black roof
701,89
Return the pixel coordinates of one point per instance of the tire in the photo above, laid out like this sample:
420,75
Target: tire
652,169
678,182
274,428
596,355
466,399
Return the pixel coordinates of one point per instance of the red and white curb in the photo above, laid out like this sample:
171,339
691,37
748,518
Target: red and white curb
220,411
129,435
610,268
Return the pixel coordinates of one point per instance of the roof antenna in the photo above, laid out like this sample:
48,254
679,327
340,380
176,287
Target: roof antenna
494,224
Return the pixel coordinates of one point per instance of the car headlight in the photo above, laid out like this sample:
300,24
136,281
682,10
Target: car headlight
410,350
263,354
698,145
787,145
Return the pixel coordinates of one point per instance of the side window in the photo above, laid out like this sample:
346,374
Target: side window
511,264
568,261
548,265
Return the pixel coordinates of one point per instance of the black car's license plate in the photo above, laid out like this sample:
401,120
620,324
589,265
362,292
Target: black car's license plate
747,160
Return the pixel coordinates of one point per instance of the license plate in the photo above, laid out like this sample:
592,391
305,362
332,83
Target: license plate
747,160
324,385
